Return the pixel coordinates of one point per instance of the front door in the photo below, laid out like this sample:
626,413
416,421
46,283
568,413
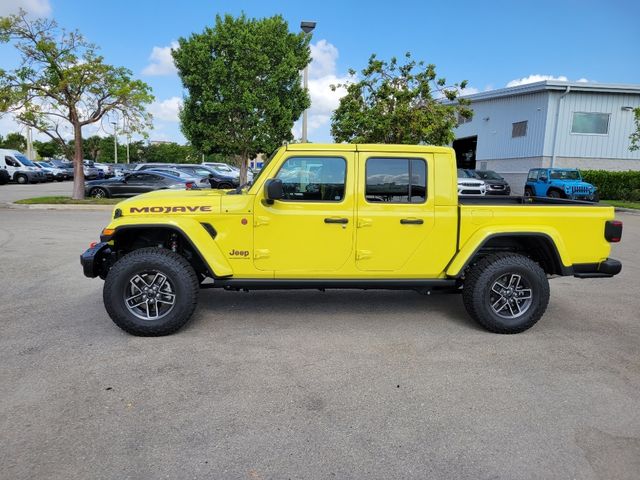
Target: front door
395,213
309,232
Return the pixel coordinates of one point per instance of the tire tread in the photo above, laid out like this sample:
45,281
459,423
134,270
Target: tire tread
480,273
111,287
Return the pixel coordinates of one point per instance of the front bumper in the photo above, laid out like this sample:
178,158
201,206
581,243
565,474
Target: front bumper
607,268
95,260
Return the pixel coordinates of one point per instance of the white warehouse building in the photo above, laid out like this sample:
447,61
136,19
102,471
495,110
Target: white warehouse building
549,124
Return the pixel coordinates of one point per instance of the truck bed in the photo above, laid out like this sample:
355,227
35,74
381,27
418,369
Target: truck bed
520,200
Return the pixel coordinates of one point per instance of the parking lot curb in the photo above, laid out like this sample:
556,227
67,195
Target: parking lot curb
53,206
628,210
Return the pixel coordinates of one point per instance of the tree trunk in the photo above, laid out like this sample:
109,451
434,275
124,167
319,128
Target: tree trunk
244,159
78,172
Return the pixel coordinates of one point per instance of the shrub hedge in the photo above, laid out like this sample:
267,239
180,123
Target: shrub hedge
615,185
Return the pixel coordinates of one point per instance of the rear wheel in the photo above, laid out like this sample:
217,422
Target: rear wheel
528,192
224,186
98,193
151,292
506,293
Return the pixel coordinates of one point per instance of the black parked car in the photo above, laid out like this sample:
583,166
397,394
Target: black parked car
496,185
136,183
217,178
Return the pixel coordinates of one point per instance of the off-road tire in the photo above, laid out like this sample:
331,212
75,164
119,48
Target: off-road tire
481,277
528,192
177,270
554,194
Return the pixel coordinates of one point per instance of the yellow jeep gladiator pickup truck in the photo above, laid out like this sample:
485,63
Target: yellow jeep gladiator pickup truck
347,216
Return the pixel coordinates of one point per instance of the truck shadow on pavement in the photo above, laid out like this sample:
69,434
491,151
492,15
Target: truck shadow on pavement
300,306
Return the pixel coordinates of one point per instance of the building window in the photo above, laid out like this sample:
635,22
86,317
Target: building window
590,123
313,179
519,129
396,180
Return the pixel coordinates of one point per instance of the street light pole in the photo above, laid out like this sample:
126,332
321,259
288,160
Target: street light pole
307,28
115,142
128,135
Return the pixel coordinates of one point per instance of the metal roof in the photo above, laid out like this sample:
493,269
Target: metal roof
556,85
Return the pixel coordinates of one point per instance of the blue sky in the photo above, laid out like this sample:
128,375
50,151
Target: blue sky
488,43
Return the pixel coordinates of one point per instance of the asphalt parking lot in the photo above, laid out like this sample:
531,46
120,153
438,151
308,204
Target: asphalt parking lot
342,384
12,191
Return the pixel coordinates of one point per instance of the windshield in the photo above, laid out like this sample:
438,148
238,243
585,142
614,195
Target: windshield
565,175
45,164
264,166
24,160
487,175
462,173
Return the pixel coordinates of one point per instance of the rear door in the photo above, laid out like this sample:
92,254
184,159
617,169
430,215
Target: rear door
395,213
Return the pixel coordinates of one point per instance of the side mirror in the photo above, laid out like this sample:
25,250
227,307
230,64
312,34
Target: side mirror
273,190
543,179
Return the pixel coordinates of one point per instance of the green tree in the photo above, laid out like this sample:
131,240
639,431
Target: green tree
170,152
62,85
14,141
398,103
48,149
635,136
243,82
91,147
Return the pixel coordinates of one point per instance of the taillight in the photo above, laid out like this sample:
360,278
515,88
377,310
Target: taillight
613,231
190,185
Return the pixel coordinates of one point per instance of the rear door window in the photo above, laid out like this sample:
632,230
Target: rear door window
396,180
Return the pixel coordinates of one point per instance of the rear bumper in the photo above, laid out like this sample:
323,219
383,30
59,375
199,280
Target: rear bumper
94,260
605,269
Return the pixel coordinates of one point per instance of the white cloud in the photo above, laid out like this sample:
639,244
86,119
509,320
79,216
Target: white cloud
39,8
324,56
161,61
535,78
469,91
166,110
322,74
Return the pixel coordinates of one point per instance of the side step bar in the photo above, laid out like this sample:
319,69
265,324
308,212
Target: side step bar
321,283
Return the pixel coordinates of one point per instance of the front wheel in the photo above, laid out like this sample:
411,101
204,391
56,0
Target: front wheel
22,179
151,292
554,194
506,293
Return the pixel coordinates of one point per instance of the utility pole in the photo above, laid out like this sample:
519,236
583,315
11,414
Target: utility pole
125,126
307,28
115,141
30,153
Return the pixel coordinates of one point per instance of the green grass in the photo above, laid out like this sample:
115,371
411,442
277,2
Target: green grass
622,204
68,201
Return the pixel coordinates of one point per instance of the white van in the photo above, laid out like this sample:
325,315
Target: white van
20,168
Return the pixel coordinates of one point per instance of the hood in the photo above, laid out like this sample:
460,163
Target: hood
471,181
571,183
495,182
162,202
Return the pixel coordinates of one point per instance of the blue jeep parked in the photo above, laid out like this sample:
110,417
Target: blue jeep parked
559,183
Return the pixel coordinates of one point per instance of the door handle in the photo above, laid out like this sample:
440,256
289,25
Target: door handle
411,221
336,220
